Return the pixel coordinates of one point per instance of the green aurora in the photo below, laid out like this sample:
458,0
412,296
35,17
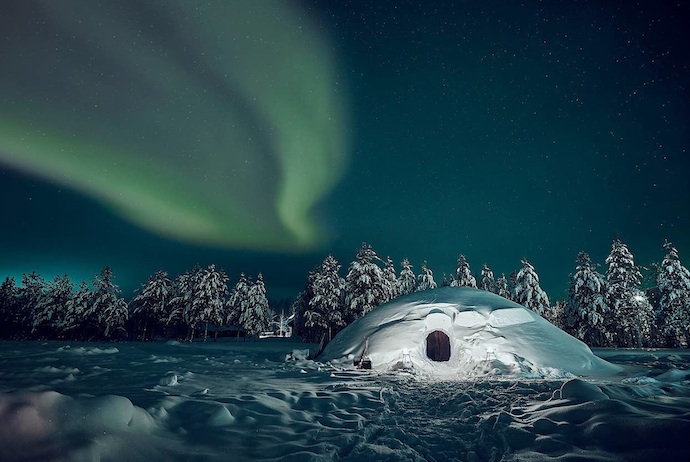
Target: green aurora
261,136
219,124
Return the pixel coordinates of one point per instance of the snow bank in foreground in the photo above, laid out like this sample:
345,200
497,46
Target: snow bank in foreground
480,332
49,426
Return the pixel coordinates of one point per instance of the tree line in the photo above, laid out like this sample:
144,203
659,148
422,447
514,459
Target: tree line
603,310
165,308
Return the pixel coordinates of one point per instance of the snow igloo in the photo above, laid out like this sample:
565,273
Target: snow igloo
462,331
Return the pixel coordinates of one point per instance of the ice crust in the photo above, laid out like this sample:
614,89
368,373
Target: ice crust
488,335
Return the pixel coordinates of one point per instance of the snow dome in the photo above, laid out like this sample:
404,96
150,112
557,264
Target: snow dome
462,331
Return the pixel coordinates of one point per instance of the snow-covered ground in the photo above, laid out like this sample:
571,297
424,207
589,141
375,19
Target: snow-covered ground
241,401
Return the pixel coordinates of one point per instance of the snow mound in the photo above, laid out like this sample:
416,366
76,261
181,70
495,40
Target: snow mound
88,350
459,331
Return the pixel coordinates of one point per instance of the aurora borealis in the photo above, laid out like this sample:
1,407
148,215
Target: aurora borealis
215,125
263,135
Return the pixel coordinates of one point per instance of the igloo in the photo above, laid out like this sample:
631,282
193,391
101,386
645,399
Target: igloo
462,331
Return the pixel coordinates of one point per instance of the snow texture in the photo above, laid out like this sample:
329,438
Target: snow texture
228,401
488,334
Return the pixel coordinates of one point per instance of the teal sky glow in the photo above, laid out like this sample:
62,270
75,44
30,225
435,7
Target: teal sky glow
262,135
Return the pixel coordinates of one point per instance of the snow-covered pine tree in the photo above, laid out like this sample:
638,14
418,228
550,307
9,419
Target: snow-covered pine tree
151,304
653,294
31,291
463,274
512,283
445,282
186,308
528,292
365,285
74,322
52,306
407,282
8,306
238,304
502,287
390,275
108,307
181,302
425,278
257,318
673,281
325,313
210,290
645,319
192,313
555,314
631,312
487,281
300,305
586,312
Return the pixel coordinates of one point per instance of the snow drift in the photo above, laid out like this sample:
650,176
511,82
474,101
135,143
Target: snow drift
242,401
459,331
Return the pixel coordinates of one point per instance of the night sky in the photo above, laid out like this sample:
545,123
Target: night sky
262,136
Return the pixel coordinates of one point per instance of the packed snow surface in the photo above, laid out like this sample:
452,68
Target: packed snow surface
486,335
243,401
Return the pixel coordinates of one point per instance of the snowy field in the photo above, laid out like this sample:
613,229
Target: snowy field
241,401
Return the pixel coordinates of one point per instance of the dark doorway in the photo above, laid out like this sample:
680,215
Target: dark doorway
438,346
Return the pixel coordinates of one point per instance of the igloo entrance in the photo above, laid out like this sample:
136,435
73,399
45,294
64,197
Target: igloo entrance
438,346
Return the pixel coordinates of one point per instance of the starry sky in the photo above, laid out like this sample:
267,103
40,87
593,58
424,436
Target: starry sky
261,136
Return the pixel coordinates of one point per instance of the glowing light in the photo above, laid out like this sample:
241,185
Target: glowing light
217,123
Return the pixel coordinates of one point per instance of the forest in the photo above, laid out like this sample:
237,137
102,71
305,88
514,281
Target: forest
610,309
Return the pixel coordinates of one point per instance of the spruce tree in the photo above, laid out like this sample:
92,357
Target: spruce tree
183,310
407,282
487,281
51,307
425,278
501,287
238,304
528,292
512,283
631,312
391,277
257,317
463,274
365,284
325,312
151,304
555,314
108,307
674,284
586,312
210,291
299,307
30,293
445,282
8,306
74,322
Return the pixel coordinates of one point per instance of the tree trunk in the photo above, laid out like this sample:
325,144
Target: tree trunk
205,331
